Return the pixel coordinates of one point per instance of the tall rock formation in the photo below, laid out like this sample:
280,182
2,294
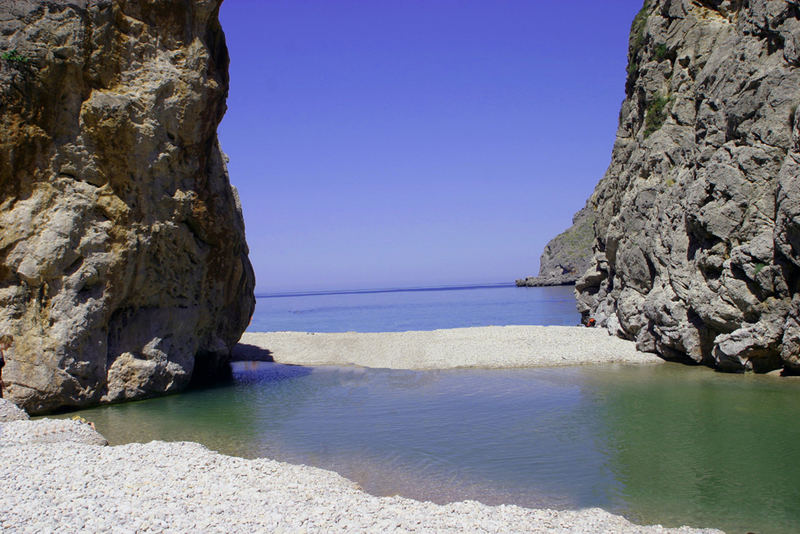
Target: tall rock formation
123,263
567,256
697,255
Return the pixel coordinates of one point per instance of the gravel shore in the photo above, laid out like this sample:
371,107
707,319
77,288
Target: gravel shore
184,487
488,346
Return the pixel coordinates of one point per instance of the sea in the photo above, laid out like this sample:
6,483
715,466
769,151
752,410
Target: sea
429,308
667,444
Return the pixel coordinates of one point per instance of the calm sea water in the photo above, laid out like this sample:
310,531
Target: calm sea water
396,311
663,444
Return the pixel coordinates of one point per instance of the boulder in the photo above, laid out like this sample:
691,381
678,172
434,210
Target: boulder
124,270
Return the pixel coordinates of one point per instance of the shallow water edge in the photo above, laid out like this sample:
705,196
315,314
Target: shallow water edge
662,444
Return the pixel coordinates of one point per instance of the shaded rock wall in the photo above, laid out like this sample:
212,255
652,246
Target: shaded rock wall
698,216
567,256
123,263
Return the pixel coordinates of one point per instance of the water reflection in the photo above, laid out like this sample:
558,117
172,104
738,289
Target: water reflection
701,445
662,444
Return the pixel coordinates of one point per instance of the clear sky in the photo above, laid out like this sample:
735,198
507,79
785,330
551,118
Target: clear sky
395,143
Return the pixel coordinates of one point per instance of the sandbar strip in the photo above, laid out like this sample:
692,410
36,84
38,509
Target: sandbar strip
482,347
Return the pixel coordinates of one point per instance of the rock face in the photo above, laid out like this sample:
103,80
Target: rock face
123,263
567,256
697,255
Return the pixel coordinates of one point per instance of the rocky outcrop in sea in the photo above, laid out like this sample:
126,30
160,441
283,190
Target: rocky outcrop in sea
567,256
697,255
123,263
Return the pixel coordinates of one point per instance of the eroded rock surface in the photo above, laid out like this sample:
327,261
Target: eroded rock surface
123,263
698,216
567,256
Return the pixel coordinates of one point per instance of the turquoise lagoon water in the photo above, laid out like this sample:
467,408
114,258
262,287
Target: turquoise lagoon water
662,444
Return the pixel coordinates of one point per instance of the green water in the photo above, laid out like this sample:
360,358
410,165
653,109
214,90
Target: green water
660,444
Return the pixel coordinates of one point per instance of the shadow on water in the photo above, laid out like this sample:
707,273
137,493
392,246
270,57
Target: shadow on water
224,417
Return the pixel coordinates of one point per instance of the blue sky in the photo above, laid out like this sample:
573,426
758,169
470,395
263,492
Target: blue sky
419,142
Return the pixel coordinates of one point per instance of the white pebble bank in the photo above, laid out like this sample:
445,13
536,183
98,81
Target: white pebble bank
184,487
485,346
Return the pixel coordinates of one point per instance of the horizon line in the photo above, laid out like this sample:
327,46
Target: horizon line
311,293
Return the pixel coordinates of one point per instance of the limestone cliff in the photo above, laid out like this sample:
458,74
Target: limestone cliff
567,256
697,255
123,263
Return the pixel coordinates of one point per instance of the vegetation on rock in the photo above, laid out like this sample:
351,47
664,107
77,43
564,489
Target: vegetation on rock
637,40
638,29
661,52
14,57
656,115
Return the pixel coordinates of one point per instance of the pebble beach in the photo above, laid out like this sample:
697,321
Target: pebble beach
483,347
73,486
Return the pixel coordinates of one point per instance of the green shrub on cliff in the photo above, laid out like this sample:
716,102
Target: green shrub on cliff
661,52
637,29
14,57
637,39
656,115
